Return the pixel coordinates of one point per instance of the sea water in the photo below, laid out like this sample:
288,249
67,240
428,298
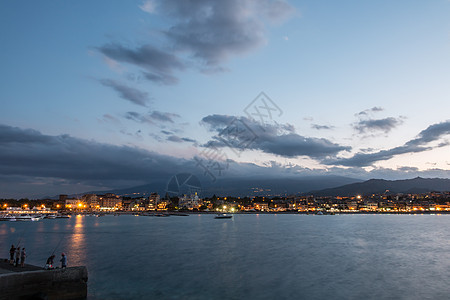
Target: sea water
252,256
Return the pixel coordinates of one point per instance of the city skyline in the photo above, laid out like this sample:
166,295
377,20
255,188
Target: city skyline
112,95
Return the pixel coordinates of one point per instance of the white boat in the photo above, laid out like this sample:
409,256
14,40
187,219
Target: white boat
8,218
50,216
27,217
223,216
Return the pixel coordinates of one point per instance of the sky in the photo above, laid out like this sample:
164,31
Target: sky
98,95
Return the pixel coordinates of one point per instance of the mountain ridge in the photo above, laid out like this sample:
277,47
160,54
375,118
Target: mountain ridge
379,186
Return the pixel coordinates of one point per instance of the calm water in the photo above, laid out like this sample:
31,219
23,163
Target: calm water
250,256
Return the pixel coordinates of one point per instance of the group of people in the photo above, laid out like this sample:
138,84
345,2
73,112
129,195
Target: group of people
17,256
63,260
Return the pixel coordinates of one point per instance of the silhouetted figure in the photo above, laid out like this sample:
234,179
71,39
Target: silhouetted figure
63,260
23,255
11,254
49,263
17,256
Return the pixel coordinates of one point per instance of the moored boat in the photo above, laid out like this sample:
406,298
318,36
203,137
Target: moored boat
8,218
27,217
223,216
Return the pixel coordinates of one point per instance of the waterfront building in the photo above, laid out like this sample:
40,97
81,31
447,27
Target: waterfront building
71,203
153,201
262,206
91,201
110,201
189,202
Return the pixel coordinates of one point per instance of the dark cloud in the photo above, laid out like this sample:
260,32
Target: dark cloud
128,93
152,117
419,144
30,153
138,117
159,65
203,33
242,133
215,30
177,139
164,116
385,125
165,79
32,163
147,57
370,111
321,127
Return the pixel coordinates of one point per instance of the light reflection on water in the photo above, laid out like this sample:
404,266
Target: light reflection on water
249,256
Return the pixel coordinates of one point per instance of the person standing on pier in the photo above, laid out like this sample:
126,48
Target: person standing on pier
11,254
23,255
17,256
63,260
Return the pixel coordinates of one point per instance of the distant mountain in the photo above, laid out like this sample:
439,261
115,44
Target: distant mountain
235,186
378,186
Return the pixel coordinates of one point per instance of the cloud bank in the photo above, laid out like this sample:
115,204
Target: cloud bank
275,139
433,133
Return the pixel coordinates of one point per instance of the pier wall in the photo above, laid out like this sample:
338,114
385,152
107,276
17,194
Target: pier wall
69,283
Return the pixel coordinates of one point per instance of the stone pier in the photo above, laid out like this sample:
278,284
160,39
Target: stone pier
31,282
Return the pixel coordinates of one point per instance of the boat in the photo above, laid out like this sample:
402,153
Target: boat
161,215
62,216
50,216
223,216
179,214
8,218
319,213
27,217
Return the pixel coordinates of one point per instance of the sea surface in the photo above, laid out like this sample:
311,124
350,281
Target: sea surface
254,256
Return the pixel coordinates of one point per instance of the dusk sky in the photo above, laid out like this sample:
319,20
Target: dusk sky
110,94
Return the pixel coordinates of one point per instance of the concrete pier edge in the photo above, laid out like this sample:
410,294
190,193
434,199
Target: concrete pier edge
66,284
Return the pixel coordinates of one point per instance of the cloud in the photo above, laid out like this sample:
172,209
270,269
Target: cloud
138,117
107,118
152,117
128,93
202,34
148,6
177,139
370,111
164,79
158,63
26,152
432,133
385,125
213,31
321,127
242,133
32,163
164,116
